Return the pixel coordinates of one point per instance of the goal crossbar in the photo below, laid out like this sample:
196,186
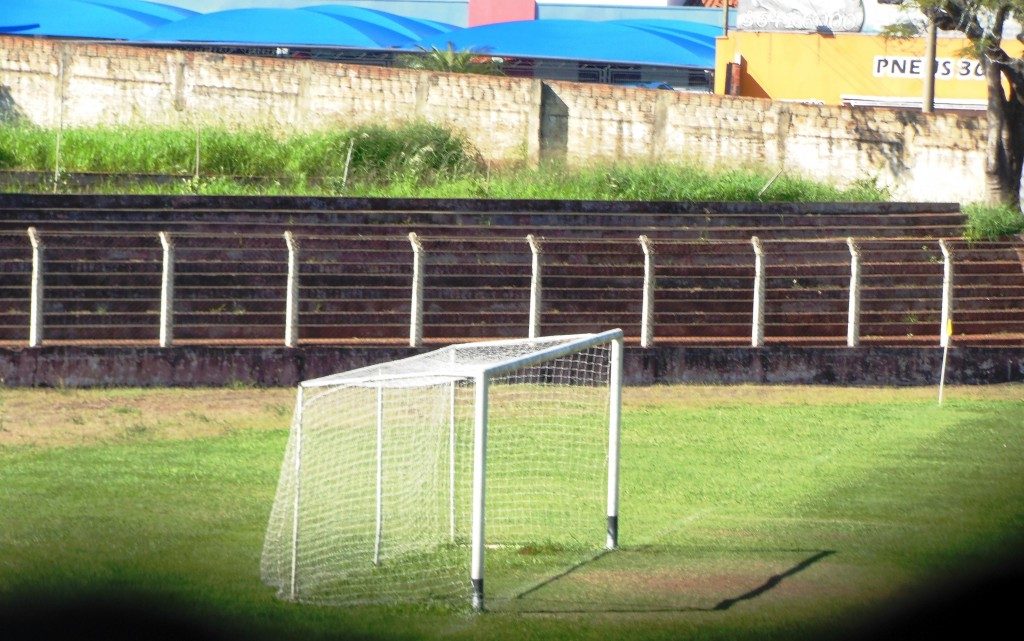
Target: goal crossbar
455,371
583,342
395,379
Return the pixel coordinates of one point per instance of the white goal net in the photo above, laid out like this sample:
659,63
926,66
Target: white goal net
398,479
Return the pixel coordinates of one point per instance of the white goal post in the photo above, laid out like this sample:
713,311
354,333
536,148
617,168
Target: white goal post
399,478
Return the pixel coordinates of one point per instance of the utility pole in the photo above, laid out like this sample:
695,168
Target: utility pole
929,68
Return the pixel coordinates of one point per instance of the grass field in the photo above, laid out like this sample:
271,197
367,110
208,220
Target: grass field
747,512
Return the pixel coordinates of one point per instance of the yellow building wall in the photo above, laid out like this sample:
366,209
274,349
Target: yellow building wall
826,68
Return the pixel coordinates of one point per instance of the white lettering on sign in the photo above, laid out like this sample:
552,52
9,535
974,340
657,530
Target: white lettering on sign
913,67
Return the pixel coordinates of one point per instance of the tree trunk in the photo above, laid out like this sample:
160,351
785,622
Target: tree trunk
1005,143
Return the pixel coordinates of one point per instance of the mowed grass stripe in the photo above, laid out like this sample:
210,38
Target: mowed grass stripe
803,510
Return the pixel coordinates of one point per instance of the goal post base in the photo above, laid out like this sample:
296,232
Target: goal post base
613,533
478,595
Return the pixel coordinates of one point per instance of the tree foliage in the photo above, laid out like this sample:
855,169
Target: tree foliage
985,23
450,60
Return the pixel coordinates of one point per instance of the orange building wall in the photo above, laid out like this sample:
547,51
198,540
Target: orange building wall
825,68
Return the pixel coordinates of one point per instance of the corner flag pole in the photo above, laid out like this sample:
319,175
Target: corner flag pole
945,353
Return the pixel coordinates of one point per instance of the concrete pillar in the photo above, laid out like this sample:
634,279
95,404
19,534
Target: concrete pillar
167,292
535,286
291,314
35,332
416,315
760,281
647,312
853,314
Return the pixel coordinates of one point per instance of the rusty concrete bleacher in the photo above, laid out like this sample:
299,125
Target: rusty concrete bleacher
102,269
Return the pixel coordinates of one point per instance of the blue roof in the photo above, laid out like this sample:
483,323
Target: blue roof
280,27
163,12
613,42
679,32
141,20
694,32
111,19
654,42
415,29
684,26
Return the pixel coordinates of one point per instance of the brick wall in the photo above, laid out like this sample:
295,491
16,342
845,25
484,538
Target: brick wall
933,157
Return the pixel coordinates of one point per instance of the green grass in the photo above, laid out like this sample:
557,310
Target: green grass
416,160
990,222
632,182
746,512
240,157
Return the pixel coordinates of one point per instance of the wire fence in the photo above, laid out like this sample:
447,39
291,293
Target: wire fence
181,287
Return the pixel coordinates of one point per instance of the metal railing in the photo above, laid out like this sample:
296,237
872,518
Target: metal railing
179,288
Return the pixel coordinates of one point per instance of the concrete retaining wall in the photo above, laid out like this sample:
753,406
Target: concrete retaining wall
267,366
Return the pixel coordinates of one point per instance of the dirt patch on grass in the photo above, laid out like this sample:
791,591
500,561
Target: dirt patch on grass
60,418
681,580
70,417
702,396
698,586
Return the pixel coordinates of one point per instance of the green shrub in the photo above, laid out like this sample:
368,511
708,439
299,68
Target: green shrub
988,222
26,148
450,60
127,150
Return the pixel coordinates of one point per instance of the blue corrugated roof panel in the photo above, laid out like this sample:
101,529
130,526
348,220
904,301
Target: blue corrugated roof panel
682,26
110,19
583,40
164,12
279,27
411,27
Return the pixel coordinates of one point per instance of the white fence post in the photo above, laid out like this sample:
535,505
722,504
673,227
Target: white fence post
947,294
535,286
757,326
647,311
167,292
291,313
853,314
416,315
35,328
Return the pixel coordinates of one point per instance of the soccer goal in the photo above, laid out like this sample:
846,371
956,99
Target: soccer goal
399,478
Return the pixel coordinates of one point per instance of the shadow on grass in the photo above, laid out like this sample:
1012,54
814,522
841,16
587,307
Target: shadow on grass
982,601
561,575
606,606
774,580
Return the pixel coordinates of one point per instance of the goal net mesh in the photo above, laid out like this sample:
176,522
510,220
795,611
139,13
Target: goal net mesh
374,499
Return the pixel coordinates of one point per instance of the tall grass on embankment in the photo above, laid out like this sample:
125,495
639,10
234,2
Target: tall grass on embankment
988,222
634,181
244,162
416,160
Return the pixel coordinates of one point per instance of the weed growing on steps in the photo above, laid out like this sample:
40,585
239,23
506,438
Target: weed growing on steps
989,222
